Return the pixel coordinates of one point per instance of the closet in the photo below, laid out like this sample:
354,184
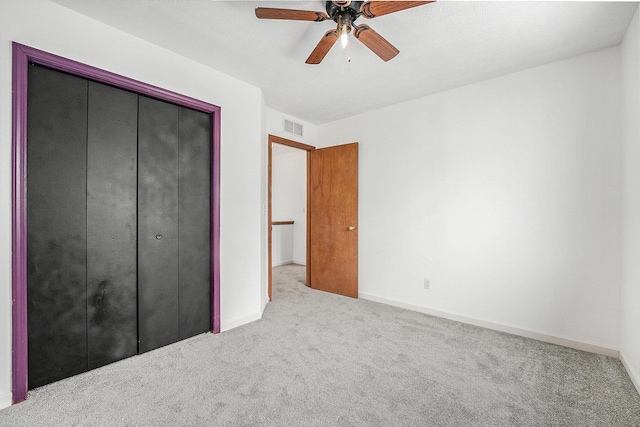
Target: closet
118,224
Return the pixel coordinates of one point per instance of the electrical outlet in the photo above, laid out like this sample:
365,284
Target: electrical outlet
427,283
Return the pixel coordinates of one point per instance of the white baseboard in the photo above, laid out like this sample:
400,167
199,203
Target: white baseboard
635,378
226,325
289,262
5,399
566,342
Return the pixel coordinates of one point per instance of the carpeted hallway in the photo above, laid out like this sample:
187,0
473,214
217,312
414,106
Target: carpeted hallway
317,359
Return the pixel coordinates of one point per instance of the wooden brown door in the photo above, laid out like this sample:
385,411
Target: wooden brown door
333,207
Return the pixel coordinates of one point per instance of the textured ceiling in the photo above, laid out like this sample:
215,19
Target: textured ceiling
442,45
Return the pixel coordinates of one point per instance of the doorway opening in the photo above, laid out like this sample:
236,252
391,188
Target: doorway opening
288,205
331,217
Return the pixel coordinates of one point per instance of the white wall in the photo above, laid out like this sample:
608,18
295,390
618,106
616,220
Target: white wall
630,322
282,245
506,194
289,199
50,27
274,127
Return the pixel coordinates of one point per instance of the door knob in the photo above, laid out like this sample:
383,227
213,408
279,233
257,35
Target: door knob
351,228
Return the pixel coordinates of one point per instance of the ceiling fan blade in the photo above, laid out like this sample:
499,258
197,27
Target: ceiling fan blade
374,41
372,9
296,15
323,47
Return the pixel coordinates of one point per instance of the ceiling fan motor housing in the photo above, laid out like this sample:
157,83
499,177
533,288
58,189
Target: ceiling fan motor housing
334,9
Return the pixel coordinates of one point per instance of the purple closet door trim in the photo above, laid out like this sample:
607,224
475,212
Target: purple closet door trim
19,228
22,55
215,222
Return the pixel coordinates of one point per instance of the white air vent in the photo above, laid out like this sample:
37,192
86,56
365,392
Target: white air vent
292,127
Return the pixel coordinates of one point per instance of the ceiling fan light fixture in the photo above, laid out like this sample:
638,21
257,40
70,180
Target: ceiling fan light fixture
344,28
344,38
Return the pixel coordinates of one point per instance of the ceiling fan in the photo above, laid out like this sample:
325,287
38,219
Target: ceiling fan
344,13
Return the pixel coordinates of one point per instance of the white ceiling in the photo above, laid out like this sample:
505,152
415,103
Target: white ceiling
442,45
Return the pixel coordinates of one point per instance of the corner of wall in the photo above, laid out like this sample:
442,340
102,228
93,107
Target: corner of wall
264,240
635,377
630,283
274,127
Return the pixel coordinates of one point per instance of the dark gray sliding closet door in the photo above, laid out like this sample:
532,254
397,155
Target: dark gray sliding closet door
56,231
173,223
157,224
112,330
194,223
118,224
